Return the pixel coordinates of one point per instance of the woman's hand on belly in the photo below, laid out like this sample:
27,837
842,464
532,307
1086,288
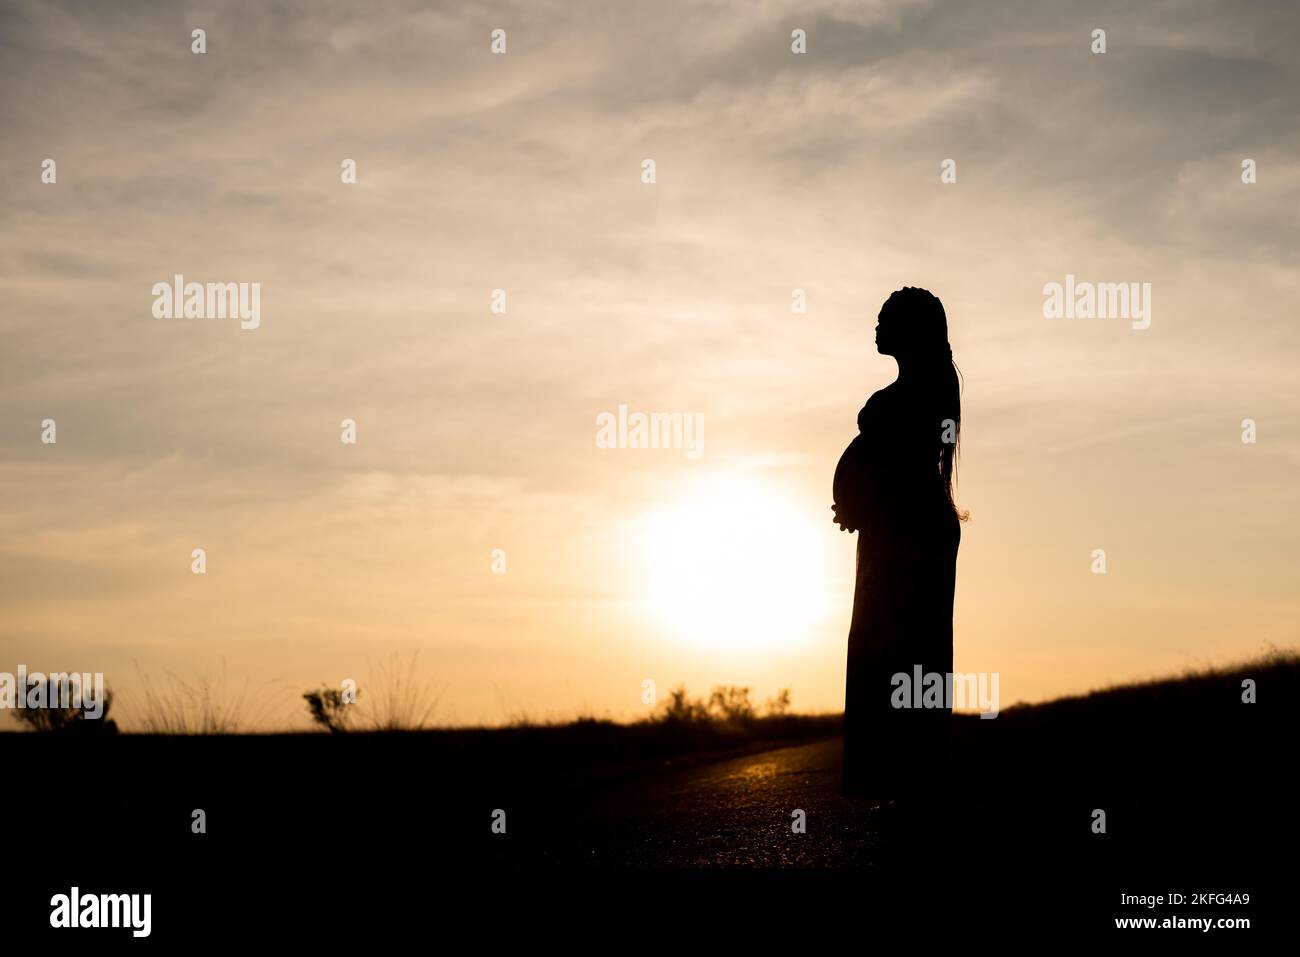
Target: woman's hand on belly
843,519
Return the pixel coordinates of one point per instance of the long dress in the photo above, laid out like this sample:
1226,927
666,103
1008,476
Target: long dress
889,486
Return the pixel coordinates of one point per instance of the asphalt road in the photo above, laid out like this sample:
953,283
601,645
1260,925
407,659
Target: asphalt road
738,812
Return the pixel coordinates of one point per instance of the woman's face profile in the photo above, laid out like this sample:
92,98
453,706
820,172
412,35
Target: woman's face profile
886,333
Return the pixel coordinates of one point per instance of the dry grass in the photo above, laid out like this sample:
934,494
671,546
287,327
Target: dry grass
204,705
397,700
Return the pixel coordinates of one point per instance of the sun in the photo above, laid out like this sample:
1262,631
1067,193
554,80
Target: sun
734,565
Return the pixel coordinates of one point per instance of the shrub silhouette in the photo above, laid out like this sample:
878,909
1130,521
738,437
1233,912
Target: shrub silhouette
779,706
680,709
728,706
402,702
329,709
63,719
731,706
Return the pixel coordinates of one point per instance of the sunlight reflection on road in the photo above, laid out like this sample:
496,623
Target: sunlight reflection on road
737,813
758,772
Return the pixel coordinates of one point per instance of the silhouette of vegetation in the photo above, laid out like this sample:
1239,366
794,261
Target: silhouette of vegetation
732,706
402,703
1209,687
204,706
727,705
780,705
728,718
57,718
680,709
330,709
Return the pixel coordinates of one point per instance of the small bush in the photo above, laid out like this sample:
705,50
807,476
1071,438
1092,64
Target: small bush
731,705
329,709
70,718
401,702
680,709
779,706
728,707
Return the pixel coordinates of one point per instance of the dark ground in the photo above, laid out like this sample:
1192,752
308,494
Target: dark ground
1198,789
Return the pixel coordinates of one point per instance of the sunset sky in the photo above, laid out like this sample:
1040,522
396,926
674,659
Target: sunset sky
476,431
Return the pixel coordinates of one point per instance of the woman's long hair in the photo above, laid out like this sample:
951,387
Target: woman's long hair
927,346
950,397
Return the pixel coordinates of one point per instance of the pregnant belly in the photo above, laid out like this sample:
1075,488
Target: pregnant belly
849,474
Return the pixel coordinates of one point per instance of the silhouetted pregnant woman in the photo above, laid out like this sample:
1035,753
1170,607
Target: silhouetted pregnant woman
894,487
